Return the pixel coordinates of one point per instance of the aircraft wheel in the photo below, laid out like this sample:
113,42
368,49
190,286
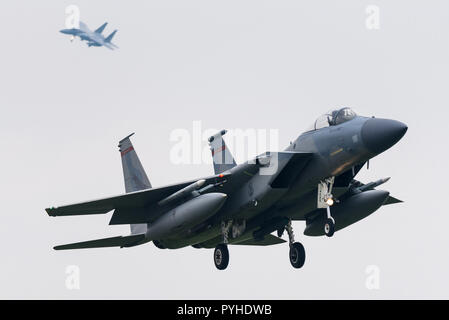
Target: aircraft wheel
221,256
329,227
297,255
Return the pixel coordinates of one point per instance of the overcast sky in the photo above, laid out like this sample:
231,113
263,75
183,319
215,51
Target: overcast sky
230,64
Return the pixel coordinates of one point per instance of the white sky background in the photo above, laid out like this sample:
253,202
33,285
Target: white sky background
231,64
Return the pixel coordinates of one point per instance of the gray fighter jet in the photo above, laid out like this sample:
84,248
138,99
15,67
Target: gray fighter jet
313,180
93,38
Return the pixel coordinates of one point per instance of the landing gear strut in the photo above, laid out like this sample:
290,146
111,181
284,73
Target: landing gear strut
297,253
326,200
221,252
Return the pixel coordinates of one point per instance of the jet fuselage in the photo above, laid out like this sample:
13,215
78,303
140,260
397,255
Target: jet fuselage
336,149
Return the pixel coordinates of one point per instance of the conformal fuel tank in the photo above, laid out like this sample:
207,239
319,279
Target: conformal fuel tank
186,215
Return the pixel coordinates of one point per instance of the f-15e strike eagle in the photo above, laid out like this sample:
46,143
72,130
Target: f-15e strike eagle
243,204
93,38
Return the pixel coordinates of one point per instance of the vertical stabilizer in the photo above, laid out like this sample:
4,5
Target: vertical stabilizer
101,28
109,38
135,177
221,156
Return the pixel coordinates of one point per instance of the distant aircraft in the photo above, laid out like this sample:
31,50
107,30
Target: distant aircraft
93,38
313,180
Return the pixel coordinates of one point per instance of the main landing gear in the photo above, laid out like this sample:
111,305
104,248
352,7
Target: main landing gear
221,252
221,256
297,253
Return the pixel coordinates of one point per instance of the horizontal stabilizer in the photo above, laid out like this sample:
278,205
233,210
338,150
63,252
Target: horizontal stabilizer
127,241
268,240
392,200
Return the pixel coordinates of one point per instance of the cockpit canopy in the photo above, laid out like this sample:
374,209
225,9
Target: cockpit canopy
333,118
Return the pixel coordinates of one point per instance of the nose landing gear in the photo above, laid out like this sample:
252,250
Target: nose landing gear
329,227
326,200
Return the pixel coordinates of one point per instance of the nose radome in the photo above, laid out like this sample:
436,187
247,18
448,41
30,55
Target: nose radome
380,134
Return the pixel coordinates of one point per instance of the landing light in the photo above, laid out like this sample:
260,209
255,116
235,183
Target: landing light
330,202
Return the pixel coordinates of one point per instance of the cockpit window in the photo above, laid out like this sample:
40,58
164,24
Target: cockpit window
333,118
343,115
323,121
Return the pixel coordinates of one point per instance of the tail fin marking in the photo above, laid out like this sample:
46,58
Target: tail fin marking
135,176
221,156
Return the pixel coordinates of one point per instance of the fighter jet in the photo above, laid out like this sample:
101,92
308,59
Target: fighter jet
312,180
93,38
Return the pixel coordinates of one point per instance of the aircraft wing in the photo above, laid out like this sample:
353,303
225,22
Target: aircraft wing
141,206
83,27
84,36
132,200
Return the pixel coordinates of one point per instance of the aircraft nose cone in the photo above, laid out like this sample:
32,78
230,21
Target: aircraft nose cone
380,134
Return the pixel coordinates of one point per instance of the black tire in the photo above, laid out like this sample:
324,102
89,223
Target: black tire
158,244
221,256
329,227
297,255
